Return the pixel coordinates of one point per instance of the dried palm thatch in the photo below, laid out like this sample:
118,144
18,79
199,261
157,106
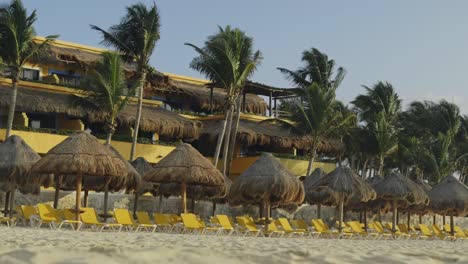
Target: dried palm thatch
343,185
82,154
449,197
310,183
16,160
270,134
187,167
396,187
199,96
422,208
154,119
143,167
266,181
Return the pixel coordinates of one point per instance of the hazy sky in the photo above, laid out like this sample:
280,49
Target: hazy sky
420,46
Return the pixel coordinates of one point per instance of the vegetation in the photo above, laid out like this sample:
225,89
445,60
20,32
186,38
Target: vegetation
227,59
316,112
135,39
17,36
107,90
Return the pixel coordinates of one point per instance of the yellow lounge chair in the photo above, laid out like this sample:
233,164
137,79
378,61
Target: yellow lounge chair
357,229
377,226
50,216
284,223
404,231
323,229
123,217
144,218
164,222
193,225
427,233
247,226
458,232
440,234
226,225
89,218
29,214
300,224
272,230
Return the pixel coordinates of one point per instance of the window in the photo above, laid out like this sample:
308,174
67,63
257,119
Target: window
30,74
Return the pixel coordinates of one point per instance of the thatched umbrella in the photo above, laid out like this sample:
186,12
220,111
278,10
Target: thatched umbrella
400,191
422,208
449,197
341,185
266,182
82,154
16,160
187,167
315,197
143,167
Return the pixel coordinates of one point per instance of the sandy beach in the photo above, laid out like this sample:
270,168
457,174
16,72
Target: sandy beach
26,245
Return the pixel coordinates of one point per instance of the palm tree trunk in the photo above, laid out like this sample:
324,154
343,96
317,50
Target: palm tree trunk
11,110
232,141
138,114
220,138
311,160
381,165
364,168
227,137
111,131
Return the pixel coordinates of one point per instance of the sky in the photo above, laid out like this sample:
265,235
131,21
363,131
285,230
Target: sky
419,46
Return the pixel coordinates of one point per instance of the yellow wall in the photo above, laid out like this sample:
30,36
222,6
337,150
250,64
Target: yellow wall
43,142
63,122
297,167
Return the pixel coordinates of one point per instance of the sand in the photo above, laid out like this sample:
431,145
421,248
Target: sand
26,245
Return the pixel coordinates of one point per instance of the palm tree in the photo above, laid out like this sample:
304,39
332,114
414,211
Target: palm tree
106,89
135,39
227,59
314,111
18,46
379,110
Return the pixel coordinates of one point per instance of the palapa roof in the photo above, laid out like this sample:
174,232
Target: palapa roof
400,188
272,134
16,160
342,182
82,154
449,196
186,164
143,167
155,119
266,180
310,183
421,208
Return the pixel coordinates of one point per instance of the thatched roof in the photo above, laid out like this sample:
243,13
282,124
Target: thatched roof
343,183
420,208
82,154
143,167
266,180
16,160
400,188
199,96
272,134
310,183
155,119
186,164
449,196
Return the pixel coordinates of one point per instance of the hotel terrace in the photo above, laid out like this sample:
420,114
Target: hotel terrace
175,108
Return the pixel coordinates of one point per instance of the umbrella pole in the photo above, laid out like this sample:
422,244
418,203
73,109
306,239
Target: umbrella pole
340,227
12,201
420,218
135,204
395,212
78,197
434,219
192,206
451,224
7,204
319,209
365,219
183,197
443,220
85,199
160,203
106,200
397,217
267,214
214,209
260,210
57,191
408,220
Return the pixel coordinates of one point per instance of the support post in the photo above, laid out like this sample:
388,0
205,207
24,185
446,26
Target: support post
183,199
243,102
269,102
7,204
276,108
214,209
452,231
340,227
408,221
395,212
106,200
85,199
319,211
160,203
57,181
135,204
79,179
12,203
211,99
